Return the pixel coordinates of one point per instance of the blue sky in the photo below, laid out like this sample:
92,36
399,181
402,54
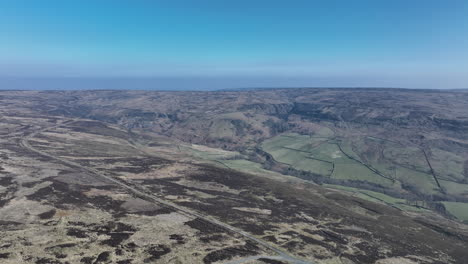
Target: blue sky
422,44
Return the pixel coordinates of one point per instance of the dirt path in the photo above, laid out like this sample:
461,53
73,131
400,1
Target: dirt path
152,198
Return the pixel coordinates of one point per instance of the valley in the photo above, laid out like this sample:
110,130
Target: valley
255,176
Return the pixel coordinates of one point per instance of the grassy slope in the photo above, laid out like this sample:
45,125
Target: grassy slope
379,197
299,151
459,210
229,159
405,164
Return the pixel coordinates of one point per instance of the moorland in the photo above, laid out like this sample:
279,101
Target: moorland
249,176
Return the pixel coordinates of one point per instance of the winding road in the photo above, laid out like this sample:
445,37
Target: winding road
281,254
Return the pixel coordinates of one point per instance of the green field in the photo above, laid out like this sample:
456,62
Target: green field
363,158
455,188
459,210
448,165
321,155
229,159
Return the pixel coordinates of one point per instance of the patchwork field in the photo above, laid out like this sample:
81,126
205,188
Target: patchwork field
373,160
323,156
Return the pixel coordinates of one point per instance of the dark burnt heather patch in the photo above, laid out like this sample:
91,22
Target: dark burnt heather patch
161,186
118,232
130,247
48,261
78,233
403,237
270,238
156,252
118,252
159,211
103,257
63,195
212,238
4,202
329,236
60,255
293,198
204,227
29,153
116,227
4,255
6,181
232,179
221,209
178,238
47,215
5,246
116,239
230,252
392,230
220,206
290,233
136,165
108,204
256,228
293,245
8,224
171,187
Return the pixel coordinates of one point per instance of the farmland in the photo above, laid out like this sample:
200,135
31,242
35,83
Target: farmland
366,159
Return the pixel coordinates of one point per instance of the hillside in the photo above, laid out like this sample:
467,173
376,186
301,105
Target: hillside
406,143
315,175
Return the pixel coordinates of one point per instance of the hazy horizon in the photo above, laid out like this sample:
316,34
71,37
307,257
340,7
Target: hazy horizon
184,83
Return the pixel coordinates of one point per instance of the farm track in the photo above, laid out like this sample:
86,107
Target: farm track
141,193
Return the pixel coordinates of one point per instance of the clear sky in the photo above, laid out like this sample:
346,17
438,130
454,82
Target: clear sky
226,44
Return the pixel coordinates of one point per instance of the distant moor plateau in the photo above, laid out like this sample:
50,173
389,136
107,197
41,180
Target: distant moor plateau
270,176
